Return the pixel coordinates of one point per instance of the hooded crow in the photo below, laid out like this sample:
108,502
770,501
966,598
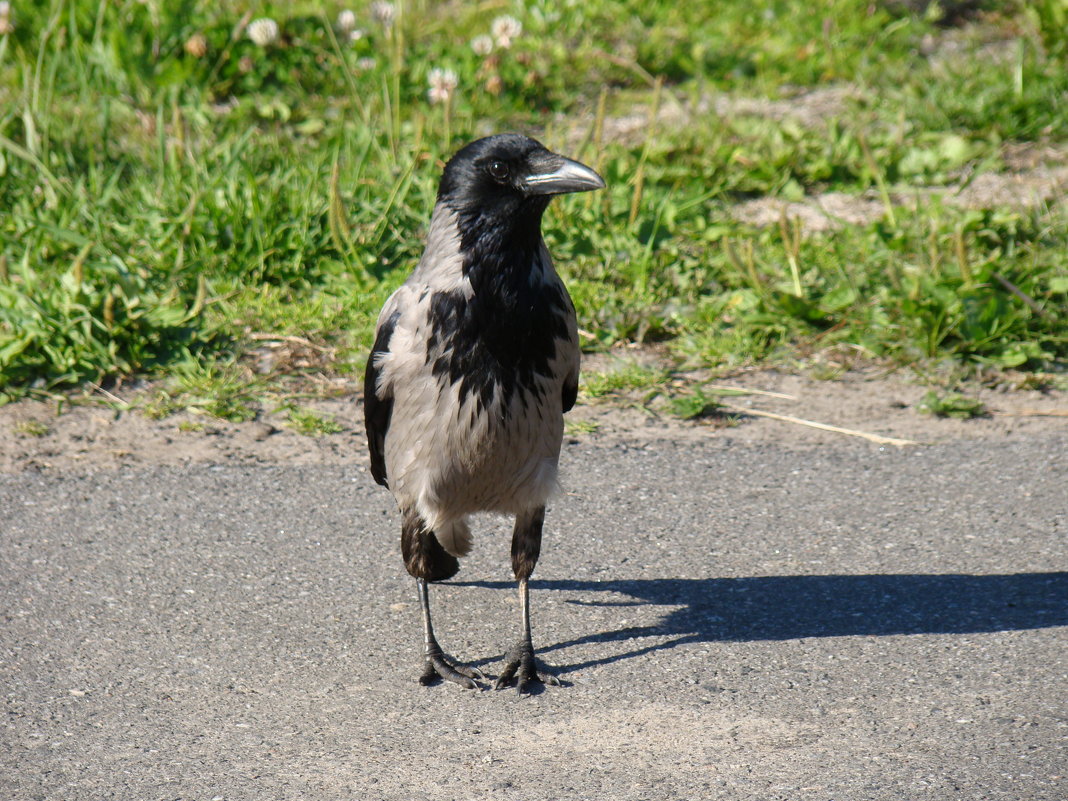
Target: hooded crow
475,361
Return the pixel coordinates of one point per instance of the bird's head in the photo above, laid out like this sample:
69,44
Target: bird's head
503,183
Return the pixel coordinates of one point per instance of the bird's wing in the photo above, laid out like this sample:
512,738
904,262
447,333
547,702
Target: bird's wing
570,391
377,400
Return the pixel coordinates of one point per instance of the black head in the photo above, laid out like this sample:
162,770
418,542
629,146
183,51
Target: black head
506,182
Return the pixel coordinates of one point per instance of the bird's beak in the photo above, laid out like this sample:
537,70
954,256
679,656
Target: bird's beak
560,176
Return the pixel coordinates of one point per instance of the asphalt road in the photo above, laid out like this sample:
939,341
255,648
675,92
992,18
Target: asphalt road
739,622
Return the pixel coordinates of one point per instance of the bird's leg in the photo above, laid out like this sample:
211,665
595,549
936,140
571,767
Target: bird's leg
426,560
521,662
526,546
436,664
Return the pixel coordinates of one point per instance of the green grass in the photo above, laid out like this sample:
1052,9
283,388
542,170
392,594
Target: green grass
31,428
172,192
579,428
951,404
312,423
693,404
623,377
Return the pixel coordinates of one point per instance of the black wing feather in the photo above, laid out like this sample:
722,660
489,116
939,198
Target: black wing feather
570,394
377,410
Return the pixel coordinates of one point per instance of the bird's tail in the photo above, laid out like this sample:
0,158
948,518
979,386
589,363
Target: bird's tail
455,537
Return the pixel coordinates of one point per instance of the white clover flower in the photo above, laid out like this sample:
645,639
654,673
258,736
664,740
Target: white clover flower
263,31
346,20
366,63
383,12
356,35
482,45
6,25
505,29
442,84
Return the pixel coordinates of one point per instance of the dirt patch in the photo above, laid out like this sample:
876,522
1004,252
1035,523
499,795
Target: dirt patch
91,435
1031,188
810,108
1034,185
818,213
864,401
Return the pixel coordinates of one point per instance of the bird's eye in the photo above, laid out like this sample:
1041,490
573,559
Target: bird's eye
499,170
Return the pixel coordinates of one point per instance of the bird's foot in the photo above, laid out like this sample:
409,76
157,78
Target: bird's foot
522,665
438,666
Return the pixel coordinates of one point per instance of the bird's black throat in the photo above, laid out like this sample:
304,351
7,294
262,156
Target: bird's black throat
501,335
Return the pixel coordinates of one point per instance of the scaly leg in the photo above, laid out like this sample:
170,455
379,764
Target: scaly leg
426,560
526,546
436,664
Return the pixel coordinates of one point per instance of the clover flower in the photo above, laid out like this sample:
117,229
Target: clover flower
384,13
6,25
346,20
482,45
346,25
505,29
196,45
263,31
442,84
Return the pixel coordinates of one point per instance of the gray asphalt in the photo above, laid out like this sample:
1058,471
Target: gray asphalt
774,622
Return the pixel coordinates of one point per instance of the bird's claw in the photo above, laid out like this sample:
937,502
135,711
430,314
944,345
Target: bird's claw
522,666
439,666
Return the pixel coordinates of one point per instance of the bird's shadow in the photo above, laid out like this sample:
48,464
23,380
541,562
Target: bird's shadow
795,607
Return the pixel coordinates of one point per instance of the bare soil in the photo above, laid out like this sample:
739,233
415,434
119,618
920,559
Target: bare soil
93,435
1030,185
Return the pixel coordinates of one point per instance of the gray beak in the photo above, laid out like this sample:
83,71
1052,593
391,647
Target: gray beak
563,175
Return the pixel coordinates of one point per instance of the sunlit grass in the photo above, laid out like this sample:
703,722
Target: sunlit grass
174,189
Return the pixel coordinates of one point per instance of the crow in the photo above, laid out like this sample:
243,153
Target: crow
474,363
